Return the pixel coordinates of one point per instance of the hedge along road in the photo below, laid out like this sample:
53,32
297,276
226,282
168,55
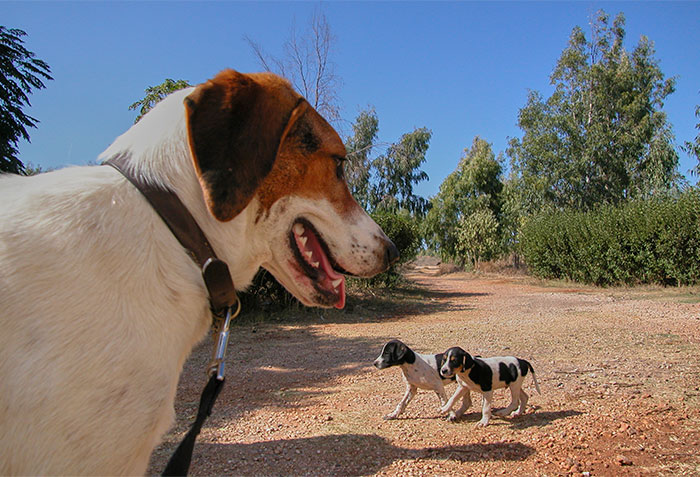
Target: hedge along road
618,369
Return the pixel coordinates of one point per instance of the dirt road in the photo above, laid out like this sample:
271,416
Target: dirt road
619,372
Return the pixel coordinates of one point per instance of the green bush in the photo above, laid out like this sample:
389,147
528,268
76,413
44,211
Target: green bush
403,229
646,241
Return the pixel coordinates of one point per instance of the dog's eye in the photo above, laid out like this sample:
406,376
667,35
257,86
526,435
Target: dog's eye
340,166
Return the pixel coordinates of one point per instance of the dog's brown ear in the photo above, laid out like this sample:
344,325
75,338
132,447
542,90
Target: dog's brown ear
235,123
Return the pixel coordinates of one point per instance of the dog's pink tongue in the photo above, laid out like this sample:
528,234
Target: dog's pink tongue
329,279
332,276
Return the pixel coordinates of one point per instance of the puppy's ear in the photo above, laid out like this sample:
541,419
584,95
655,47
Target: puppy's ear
468,361
235,124
400,351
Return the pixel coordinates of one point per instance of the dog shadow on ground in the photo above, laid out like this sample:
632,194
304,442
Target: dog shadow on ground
361,454
403,302
367,307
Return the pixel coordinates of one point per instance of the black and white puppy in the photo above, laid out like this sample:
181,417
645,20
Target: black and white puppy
484,375
419,371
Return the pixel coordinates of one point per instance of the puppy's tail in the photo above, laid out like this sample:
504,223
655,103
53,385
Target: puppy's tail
534,378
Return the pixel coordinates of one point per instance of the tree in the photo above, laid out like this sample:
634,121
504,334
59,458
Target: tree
398,170
473,187
359,147
693,148
601,137
478,236
20,71
385,182
307,64
155,94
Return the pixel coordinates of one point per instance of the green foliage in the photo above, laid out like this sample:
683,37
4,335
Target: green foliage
20,71
478,236
601,137
359,148
474,187
403,230
398,170
693,148
32,170
654,240
155,94
386,181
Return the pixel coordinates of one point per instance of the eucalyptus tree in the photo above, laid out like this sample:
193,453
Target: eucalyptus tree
398,170
359,148
692,148
468,198
602,136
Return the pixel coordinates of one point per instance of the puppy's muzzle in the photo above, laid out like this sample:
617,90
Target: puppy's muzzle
379,363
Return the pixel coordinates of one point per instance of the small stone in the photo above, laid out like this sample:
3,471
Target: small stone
622,460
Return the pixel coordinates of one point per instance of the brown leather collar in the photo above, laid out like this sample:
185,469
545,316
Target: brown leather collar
185,228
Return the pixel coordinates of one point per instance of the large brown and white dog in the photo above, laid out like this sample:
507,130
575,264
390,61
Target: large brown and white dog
101,304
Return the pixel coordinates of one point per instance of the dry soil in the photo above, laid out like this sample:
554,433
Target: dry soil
619,371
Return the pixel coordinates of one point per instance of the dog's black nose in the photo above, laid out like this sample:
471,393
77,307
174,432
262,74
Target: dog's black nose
392,254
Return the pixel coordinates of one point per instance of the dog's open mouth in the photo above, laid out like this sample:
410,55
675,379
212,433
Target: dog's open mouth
317,263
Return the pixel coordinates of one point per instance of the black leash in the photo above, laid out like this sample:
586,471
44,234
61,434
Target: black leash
179,463
222,297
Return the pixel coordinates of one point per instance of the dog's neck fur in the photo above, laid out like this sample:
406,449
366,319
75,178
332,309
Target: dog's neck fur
157,149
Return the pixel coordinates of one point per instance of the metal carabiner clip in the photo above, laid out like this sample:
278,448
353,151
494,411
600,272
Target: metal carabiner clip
217,364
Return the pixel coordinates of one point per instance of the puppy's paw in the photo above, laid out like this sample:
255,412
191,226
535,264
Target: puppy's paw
482,423
452,417
390,416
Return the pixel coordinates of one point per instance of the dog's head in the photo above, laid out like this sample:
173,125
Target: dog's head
394,353
257,143
456,360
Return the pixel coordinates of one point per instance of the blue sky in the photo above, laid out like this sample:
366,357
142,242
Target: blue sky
460,69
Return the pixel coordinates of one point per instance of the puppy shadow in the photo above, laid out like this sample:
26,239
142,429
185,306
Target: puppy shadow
541,418
360,454
533,417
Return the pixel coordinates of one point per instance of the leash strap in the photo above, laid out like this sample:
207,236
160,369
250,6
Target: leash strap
179,463
222,297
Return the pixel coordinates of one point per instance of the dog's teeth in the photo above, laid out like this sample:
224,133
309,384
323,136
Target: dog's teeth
337,282
308,254
303,240
314,264
298,229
